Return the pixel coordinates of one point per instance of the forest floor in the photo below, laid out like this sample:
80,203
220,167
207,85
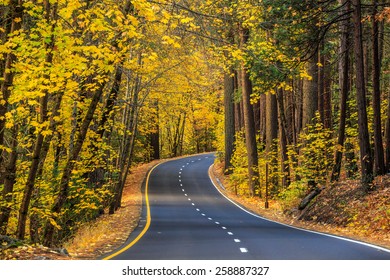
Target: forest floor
340,210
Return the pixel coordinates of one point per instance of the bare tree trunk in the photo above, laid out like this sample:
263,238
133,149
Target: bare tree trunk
344,88
387,134
299,108
376,100
327,95
310,92
321,82
290,116
155,135
283,139
250,134
364,140
272,135
256,115
229,120
238,108
263,106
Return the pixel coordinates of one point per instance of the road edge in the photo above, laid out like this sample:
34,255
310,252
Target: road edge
145,198
215,181
132,238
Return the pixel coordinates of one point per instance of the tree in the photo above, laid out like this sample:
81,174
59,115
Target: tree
343,72
50,18
229,119
12,24
364,140
250,133
310,91
376,95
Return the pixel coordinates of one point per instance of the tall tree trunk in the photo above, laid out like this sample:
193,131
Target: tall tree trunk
387,134
130,123
327,95
324,88
250,133
283,139
321,82
364,140
229,120
263,106
50,14
299,108
238,108
271,136
310,92
376,100
256,115
9,181
34,218
290,116
344,88
66,175
12,23
155,135
128,163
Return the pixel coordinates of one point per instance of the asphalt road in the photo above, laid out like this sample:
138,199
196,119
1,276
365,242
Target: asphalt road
190,219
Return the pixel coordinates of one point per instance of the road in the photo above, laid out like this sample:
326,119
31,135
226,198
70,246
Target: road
189,219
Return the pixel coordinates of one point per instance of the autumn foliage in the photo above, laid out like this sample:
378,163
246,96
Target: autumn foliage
292,96
85,87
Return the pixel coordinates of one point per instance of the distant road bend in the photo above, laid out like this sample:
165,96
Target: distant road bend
186,217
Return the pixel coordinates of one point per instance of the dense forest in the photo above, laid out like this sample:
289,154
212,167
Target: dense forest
293,96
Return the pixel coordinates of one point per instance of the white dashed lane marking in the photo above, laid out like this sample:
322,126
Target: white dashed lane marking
242,249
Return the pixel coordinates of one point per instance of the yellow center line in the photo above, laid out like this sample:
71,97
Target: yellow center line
148,219
148,216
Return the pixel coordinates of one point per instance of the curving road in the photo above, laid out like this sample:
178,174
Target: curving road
190,219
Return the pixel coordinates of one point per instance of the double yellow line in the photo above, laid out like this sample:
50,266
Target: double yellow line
148,219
